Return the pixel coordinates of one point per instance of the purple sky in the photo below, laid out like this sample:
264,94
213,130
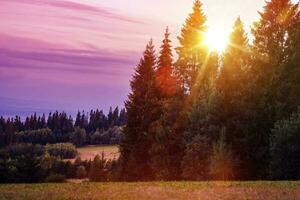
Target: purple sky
80,54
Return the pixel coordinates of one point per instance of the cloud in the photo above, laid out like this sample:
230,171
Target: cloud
79,61
26,53
75,6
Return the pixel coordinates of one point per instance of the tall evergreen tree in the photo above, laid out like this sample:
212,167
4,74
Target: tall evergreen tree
166,81
287,98
271,31
166,150
271,54
232,85
192,52
203,126
142,111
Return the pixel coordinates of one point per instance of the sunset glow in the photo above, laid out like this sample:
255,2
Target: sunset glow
56,45
216,39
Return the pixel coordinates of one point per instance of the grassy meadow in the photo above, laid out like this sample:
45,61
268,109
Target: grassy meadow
89,152
155,191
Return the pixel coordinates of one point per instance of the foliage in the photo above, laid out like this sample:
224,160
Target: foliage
285,148
55,178
39,136
142,110
111,136
81,172
222,162
173,126
191,52
195,163
58,127
78,137
63,150
98,170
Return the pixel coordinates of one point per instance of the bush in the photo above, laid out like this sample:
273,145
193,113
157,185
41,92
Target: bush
110,137
195,163
18,150
98,171
55,178
63,150
222,163
40,136
96,137
285,148
81,172
79,137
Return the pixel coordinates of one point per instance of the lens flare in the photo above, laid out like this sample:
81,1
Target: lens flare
216,39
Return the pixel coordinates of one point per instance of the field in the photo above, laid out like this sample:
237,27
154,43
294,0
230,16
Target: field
155,191
89,152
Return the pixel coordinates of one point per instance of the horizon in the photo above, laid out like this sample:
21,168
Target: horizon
81,54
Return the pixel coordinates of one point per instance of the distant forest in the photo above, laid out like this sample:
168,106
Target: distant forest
88,128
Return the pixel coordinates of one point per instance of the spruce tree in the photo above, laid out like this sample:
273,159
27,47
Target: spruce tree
142,108
270,55
287,87
203,126
222,163
166,148
232,85
271,31
192,51
165,77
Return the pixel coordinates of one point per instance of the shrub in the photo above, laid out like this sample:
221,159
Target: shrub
63,150
285,148
195,163
222,163
55,178
111,136
81,172
79,137
24,149
96,137
40,136
98,171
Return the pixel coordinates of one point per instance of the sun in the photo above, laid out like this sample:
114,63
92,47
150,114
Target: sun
216,39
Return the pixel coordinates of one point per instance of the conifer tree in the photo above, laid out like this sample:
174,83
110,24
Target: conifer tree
166,148
222,163
271,53
98,169
142,110
192,51
287,87
204,125
165,77
271,31
232,85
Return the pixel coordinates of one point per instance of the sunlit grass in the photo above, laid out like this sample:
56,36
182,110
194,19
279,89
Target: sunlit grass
262,190
89,152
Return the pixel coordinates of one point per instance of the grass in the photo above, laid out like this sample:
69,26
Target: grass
155,191
89,152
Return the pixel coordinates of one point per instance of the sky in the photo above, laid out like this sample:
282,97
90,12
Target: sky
80,54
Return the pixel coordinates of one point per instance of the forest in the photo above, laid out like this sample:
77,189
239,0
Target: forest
39,148
192,113
202,115
88,128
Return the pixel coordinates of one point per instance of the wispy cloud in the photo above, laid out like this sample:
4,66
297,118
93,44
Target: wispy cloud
79,7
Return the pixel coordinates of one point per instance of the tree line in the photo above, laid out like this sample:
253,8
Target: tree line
29,163
88,128
208,115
